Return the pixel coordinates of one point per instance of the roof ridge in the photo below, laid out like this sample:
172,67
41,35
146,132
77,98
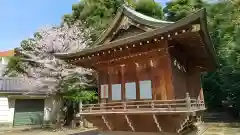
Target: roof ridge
132,10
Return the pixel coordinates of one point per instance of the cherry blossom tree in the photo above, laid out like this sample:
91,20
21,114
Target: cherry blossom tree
37,62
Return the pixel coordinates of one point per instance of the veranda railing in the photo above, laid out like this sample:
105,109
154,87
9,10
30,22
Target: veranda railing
177,105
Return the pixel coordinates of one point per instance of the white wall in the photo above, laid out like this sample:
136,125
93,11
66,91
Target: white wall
7,106
6,111
4,60
11,103
3,64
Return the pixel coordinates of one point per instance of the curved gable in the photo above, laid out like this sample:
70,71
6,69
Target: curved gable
126,18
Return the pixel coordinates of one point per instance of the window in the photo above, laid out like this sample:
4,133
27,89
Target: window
130,90
116,92
146,89
104,91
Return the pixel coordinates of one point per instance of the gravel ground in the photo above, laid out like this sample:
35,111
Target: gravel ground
212,130
41,132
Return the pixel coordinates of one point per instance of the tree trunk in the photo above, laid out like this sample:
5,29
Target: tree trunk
59,114
80,110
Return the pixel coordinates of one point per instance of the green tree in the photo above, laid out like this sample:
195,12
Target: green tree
149,8
177,9
98,14
224,25
15,65
221,86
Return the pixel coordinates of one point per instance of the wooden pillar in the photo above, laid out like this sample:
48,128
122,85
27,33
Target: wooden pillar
152,64
168,73
161,73
99,87
189,79
162,88
123,83
109,74
137,70
164,72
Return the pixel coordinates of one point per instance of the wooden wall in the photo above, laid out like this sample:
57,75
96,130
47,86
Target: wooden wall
193,81
140,122
156,66
171,72
186,76
179,82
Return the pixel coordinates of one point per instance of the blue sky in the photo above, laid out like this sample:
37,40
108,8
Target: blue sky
21,18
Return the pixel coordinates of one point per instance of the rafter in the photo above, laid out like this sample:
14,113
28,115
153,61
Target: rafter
129,123
183,124
106,123
156,122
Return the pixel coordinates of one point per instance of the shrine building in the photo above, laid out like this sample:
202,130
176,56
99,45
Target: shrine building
149,73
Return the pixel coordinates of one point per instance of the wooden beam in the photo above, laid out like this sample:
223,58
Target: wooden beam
106,123
109,85
137,81
153,71
157,123
168,74
130,55
129,123
123,83
99,87
183,124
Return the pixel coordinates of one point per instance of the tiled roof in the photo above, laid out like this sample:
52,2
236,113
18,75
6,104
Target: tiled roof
141,18
18,85
7,53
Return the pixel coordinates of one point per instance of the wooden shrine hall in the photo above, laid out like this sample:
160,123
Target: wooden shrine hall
148,73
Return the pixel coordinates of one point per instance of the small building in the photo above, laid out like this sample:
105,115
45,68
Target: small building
148,73
4,58
21,106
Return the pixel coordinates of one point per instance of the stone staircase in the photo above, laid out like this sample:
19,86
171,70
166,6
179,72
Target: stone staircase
217,117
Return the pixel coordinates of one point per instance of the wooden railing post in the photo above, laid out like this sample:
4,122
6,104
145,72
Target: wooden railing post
152,105
187,105
124,106
203,104
90,108
188,102
197,104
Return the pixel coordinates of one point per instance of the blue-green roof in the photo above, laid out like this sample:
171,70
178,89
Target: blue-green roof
141,18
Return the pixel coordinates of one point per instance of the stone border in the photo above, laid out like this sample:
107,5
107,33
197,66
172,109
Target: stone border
223,124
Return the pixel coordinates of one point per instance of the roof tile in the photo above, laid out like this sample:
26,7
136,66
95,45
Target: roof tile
7,53
17,85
